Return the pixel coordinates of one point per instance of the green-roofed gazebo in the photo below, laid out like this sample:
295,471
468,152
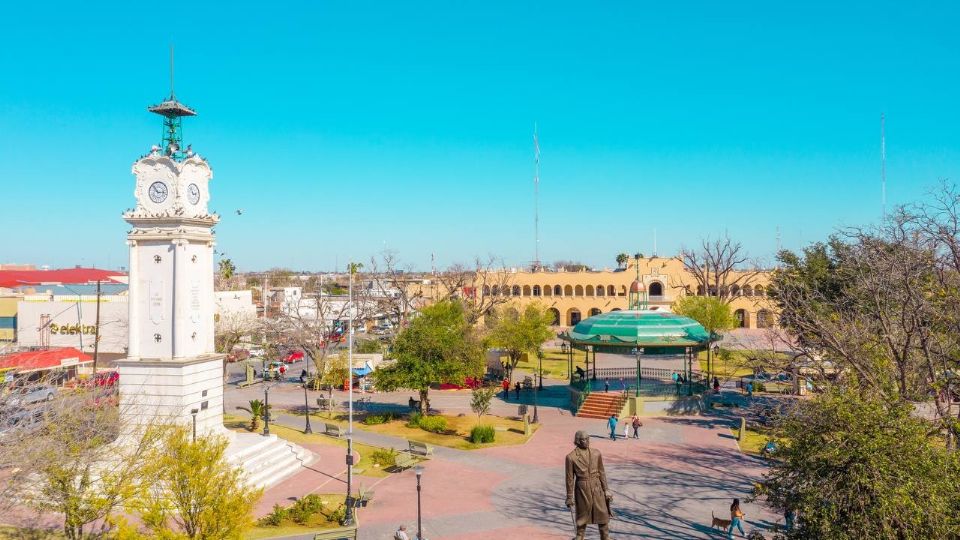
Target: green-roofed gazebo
658,332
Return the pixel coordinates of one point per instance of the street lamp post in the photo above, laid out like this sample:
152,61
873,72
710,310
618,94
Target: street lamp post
266,410
639,352
540,361
193,412
689,370
306,408
419,471
348,517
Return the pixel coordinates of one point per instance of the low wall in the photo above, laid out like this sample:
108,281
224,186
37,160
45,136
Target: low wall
662,406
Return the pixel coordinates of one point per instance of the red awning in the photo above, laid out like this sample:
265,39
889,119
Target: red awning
67,276
44,360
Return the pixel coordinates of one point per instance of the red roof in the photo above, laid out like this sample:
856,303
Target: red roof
42,360
68,276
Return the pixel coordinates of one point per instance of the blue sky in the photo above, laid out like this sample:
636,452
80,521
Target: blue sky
343,128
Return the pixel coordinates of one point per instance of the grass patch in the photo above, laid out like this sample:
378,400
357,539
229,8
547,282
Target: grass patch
554,363
18,533
307,515
458,432
753,440
365,466
738,365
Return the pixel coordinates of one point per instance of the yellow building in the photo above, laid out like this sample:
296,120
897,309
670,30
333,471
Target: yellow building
573,296
8,317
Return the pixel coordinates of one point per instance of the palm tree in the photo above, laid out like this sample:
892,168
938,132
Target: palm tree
622,259
256,413
637,256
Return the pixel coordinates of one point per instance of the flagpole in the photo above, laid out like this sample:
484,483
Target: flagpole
536,199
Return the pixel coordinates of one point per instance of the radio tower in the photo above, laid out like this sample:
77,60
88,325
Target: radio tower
536,199
883,166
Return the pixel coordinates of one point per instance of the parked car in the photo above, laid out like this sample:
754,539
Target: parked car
293,356
27,395
256,352
238,355
20,423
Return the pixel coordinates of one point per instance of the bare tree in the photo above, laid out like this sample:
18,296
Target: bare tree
394,290
719,266
481,287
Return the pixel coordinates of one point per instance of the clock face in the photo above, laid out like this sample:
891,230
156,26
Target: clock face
193,194
158,192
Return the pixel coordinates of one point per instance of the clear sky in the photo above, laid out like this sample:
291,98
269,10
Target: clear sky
343,128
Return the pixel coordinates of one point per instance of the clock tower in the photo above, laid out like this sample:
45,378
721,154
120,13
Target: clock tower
172,371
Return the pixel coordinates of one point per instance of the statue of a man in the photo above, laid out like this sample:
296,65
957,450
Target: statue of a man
587,487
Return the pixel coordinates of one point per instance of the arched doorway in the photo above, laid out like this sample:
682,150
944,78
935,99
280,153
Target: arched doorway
578,291
764,319
536,290
568,290
557,291
555,313
743,318
655,289
516,290
573,316
600,290
547,290
595,311
526,290
589,290
611,291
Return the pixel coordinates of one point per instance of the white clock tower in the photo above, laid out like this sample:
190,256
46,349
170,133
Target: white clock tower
172,372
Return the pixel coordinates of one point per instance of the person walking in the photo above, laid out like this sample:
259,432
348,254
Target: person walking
736,519
506,389
606,385
517,389
676,381
401,533
612,424
636,424
750,390
716,385
626,429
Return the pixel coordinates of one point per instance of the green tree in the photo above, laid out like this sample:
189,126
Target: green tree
256,413
437,346
190,490
367,346
622,259
518,333
336,372
480,400
855,467
712,313
227,269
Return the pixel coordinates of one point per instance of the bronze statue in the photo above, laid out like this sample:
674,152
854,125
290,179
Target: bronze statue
587,487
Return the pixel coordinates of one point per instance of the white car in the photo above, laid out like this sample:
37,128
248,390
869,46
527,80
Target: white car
29,395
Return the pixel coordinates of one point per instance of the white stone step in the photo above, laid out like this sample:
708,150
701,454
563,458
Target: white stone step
267,460
283,464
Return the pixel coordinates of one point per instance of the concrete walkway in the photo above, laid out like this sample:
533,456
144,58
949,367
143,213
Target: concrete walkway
665,484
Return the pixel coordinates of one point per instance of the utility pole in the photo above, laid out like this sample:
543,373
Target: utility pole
883,165
96,334
536,199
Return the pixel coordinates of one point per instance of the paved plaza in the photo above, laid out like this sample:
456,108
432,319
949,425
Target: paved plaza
665,484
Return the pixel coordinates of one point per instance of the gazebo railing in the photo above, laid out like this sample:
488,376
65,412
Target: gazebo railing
630,373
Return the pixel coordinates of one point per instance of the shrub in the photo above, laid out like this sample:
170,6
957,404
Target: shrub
337,515
274,518
305,508
482,434
414,420
374,419
759,387
384,457
434,424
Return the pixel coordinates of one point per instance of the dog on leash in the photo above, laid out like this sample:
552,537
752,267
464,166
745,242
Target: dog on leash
721,524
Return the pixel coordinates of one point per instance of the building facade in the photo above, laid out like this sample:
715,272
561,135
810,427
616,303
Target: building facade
574,296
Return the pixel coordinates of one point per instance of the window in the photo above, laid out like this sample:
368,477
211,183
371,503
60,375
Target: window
600,290
655,289
536,290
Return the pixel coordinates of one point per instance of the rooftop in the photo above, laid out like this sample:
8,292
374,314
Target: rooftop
639,328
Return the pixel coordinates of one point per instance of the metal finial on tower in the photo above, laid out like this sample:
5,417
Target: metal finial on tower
172,111
883,165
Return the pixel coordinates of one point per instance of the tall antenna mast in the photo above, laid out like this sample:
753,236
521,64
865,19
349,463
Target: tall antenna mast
883,165
536,199
654,241
171,71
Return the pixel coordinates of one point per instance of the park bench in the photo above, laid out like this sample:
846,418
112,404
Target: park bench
405,460
420,448
326,404
340,533
332,430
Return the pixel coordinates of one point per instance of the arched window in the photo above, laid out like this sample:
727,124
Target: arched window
595,311
556,316
495,290
699,290
573,316
611,291
557,291
747,290
516,290
526,290
735,290
655,289
764,319
758,290
486,290
600,290
623,290
743,320
589,290
536,290
615,309
578,290
568,290
547,290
